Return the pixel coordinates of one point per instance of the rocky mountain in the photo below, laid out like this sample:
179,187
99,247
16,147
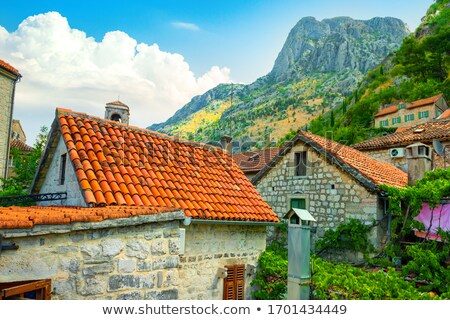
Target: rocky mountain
319,65
418,69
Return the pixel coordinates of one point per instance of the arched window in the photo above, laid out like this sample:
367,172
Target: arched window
116,117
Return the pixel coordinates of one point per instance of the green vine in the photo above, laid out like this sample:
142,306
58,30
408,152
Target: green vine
352,235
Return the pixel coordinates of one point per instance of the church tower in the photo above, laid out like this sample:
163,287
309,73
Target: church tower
117,111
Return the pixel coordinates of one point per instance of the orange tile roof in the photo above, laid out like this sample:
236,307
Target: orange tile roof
120,165
22,146
27,217
424,102
424,133
445,114
412,105
8,67
118,103
370,172
254,161
388,110
402,129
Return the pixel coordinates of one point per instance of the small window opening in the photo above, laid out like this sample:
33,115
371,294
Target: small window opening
300,163
62,170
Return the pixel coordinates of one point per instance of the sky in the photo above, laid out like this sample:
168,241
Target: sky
152,55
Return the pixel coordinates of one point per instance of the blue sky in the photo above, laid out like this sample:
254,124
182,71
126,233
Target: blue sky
245,36
155,55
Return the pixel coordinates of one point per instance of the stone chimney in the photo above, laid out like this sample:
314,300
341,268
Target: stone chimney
117,111
418,157
225,141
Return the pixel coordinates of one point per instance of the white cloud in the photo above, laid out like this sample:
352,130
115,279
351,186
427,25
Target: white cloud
186,25
62,67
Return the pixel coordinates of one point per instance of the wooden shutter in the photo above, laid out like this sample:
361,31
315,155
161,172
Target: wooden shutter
233,288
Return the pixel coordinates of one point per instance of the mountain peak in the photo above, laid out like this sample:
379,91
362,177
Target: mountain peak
337,44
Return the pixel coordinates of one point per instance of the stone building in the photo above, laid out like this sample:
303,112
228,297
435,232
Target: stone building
252,162
406,114
205,248
128,252
8,79
391,148
18,141
332,181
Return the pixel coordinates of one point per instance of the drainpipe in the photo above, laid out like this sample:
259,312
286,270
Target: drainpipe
10,124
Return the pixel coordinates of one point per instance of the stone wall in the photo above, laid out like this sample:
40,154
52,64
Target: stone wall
133,258
213,246
332,196
6,90
71,185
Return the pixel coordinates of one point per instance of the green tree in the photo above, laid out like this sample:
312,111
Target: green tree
25,167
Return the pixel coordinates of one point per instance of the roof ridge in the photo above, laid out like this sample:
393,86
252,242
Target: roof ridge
136,128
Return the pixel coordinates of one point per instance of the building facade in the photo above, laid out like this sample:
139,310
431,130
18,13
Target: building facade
8,79
127,253
407,114
392,148
333,182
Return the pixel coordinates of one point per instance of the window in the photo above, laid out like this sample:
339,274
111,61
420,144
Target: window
233,286
300,163
423,151
384,123
409,117
395,120
423,114
31,289
401,106
298,203
62,169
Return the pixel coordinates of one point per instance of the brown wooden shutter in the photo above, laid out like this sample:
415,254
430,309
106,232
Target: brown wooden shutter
233,288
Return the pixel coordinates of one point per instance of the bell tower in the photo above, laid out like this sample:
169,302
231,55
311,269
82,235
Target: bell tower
117,111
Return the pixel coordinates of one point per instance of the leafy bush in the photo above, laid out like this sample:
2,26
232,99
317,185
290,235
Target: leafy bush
340,281
351,235
271,278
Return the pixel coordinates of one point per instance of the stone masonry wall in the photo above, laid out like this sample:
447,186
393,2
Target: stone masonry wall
6,87
332,196
71,184
114,262
213,246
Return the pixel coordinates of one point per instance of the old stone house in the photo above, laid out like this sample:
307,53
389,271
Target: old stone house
18,141
391,148
332,181
146,216
252,162
406,114
8,79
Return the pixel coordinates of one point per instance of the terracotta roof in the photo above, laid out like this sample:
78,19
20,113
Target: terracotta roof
368,171
412,105
388,110
254,161
8,67
424,102
118,103
445,114
424,133
22,146
27,217
402,129
120,165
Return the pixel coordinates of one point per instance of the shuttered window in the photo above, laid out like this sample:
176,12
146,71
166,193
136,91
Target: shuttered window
233,287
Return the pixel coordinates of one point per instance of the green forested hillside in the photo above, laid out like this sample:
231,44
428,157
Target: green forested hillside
419,69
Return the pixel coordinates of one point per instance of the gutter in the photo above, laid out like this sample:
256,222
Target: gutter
233,222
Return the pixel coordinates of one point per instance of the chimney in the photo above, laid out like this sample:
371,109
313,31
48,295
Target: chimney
418,157
225,141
